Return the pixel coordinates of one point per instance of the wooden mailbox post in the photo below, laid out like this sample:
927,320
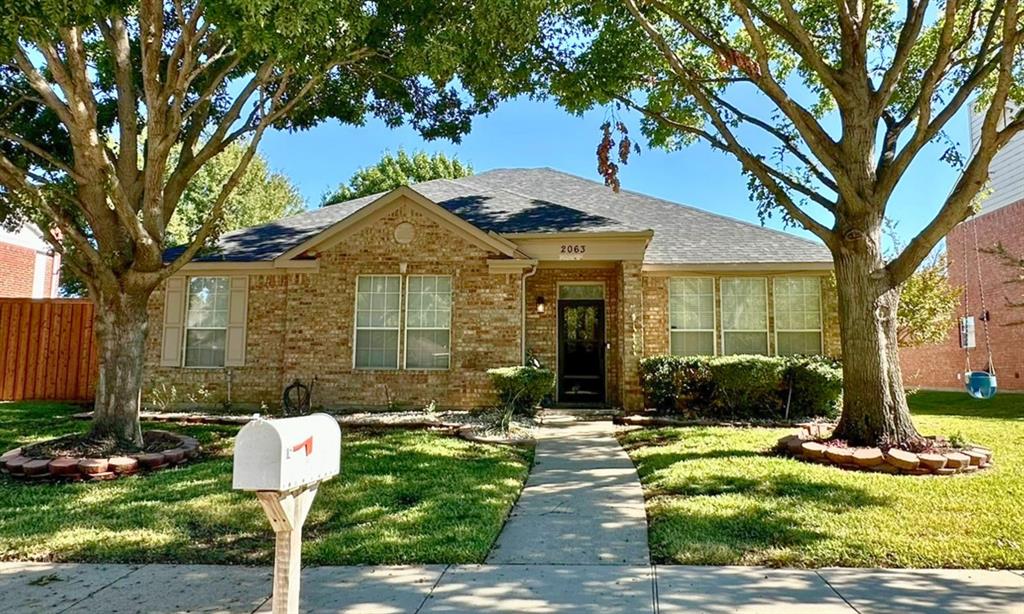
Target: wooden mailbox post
283,462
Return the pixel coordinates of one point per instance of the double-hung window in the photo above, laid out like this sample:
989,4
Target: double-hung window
691,306
798,315
378,308
206,322
428,314
744,315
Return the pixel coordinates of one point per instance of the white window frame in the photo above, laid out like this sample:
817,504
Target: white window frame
714,315
405,319
356,328
821,314
185,328
767,314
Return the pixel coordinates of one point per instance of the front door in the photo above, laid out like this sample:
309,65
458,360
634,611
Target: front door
581,351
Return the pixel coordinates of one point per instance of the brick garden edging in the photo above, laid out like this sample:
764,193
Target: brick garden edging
805,446
65,468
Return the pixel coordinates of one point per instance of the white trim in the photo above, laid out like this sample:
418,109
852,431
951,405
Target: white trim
407,328
356,328
767,316
775,309
714,314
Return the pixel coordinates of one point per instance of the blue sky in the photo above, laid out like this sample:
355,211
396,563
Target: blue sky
527,133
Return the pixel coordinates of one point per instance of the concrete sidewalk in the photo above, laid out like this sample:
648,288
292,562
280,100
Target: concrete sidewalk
46,587
582,504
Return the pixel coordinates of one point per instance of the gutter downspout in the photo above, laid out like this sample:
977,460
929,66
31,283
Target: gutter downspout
522,327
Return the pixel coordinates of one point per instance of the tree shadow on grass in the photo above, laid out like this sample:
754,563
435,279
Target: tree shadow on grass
402,497
737,510
726,519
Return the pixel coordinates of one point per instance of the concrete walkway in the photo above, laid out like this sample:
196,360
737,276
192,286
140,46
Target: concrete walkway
472,589
582,504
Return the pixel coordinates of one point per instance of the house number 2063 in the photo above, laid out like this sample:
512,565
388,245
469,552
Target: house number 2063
573,249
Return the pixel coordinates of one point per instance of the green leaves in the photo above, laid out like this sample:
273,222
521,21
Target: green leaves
397,170
261,196
928,305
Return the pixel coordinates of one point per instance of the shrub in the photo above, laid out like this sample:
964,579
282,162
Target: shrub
816,385
675,382
522,388
746,387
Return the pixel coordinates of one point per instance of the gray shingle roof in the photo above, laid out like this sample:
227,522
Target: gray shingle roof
546,200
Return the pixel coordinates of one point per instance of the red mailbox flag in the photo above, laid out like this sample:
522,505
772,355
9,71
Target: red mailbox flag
307,444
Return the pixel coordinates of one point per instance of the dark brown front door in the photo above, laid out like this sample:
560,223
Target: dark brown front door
581,352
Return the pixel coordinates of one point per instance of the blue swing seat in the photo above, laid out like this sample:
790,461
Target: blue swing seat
980,384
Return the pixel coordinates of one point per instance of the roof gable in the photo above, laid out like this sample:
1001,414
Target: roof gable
387,203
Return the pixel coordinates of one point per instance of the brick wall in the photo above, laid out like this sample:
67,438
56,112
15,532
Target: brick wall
942,365
17,270
301,326
542,331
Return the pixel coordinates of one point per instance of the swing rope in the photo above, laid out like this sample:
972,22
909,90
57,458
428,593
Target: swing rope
981,294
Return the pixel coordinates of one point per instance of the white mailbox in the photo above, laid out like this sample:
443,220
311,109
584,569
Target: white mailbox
284,461
287,453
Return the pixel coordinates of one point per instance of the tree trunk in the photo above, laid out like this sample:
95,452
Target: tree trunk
122,323
874,403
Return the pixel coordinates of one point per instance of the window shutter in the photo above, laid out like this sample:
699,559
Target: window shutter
174,322
237,311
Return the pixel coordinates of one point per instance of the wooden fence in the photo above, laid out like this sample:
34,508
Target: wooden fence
47,349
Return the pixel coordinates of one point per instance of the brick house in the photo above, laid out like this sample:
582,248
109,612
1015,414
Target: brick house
29,268
410,296
1001,220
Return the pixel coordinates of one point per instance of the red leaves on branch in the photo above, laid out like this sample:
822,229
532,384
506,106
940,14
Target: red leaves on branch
739,60
605,166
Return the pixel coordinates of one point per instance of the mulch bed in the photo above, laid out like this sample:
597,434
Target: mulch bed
76,458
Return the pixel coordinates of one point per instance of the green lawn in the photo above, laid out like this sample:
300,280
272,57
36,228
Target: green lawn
715,497
402,497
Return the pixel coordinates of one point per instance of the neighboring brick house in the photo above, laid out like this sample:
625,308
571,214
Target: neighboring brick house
410,296
1001,220
29,268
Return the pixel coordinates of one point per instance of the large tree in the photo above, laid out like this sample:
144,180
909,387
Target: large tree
825,104
96,95
392,171
260,196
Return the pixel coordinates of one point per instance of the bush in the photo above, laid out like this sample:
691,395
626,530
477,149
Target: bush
745,387
817,386
522,388
675,382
